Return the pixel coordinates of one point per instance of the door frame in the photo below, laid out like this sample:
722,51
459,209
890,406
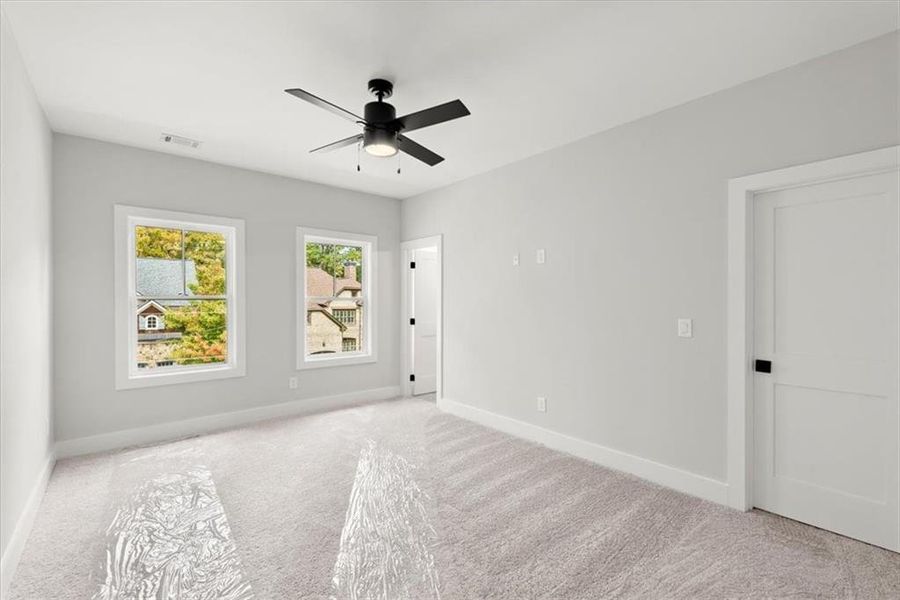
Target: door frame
406,337
740,291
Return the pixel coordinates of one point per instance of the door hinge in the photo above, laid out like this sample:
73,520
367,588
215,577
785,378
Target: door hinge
412,377
763,366
412,321
412,264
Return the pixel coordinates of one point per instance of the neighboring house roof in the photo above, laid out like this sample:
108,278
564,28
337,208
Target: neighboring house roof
150,303
320,283
323,308
163,277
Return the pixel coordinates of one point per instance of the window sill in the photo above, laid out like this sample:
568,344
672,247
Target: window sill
188,376
334,361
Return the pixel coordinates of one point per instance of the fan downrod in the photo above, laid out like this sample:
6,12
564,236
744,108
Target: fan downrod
382,88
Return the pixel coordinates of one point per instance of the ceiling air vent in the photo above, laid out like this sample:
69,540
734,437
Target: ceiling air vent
170,138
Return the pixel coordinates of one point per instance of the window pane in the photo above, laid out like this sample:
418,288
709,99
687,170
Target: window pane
159,266
333,270
334,326
163,270
204,254
180,332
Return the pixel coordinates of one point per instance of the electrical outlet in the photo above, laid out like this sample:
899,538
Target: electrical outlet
685,328
541,256
515,260
292,383
541,404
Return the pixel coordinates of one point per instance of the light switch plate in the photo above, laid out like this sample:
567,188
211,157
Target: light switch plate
541,256
685,328
541,404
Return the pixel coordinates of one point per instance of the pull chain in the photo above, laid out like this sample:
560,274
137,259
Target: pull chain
398,162
358,146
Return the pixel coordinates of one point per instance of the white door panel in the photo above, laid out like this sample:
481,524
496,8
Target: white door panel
827,422
424,303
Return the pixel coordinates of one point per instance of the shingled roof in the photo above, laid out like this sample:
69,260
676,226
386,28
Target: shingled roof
163,277
321,284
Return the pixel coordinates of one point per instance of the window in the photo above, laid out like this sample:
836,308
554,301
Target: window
181,275
345,316
335,276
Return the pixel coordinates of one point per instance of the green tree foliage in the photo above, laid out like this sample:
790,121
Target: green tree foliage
210,280
155,242
207,250
204,338
331,258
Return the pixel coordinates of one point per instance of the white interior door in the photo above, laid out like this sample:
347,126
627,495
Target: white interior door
424,291
827,423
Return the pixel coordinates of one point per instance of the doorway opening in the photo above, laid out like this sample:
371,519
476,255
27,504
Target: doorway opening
422,317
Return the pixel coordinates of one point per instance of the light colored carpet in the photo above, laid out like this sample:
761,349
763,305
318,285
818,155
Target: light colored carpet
398,500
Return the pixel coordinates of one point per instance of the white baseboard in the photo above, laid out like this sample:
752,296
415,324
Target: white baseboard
671,477
180,429
13,552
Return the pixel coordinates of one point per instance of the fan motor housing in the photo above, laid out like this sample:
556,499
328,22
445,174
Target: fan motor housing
380,112
377,136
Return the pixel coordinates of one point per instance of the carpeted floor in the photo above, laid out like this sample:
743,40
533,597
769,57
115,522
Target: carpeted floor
398,500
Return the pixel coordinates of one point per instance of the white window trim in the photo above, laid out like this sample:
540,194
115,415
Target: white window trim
370,253
128,376
155,321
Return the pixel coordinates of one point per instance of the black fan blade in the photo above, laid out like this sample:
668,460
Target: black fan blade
431,116
353,139
332,108
418,151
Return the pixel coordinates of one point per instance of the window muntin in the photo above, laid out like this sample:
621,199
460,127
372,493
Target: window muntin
178,273
335,282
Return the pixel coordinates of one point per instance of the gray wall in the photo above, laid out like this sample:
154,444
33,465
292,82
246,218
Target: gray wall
634,224
90,177
25,189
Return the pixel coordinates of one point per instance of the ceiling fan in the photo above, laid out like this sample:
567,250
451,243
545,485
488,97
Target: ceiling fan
383,131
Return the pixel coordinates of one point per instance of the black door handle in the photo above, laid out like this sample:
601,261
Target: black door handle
763,366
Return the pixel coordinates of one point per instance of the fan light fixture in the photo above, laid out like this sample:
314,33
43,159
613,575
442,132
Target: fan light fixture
381,150
380,142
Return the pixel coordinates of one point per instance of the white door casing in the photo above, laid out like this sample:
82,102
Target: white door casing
808,406
826,419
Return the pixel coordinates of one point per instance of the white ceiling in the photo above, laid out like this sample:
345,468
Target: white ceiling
535,75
